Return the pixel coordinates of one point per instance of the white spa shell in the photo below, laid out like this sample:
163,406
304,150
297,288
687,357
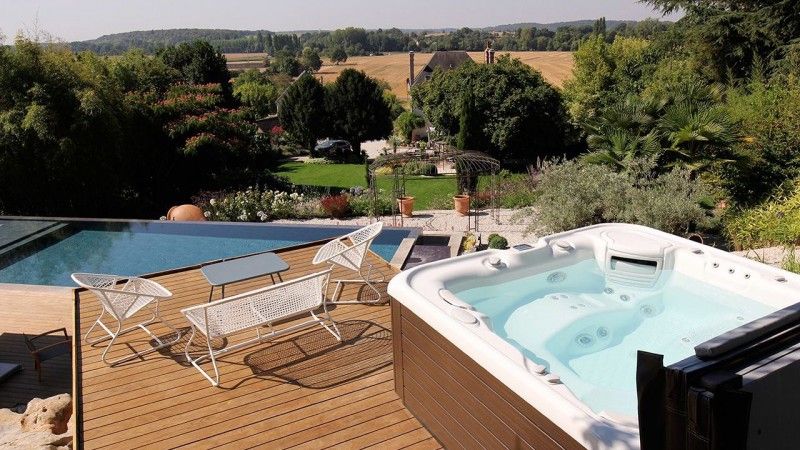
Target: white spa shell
426,290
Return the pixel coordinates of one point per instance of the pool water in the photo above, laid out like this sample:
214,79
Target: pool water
136,248
588,330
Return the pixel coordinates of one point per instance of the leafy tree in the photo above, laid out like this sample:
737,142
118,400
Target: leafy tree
255,91
285,62
357,109
310,59
604,73
261,43
210,138
730,36
519,115
301,111
58,116
599,27
406,123
338,55
199,63
135,71
82,135
469,124
768,154
396,106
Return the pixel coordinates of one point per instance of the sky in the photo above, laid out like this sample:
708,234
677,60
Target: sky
72,20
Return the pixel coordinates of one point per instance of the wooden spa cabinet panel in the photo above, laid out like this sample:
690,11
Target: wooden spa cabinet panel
457,400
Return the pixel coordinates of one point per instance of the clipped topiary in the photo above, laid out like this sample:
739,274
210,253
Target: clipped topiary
497,241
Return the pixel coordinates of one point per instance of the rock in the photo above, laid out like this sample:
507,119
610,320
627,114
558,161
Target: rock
43,425
51,414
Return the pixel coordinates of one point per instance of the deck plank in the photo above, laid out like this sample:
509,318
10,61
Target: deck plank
304,389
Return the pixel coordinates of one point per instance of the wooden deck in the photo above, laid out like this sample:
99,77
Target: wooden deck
33,311
302,390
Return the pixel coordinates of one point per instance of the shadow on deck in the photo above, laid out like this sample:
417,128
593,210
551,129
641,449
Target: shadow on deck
24,386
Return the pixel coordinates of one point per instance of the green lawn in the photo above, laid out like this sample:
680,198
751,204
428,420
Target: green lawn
344,176
426,190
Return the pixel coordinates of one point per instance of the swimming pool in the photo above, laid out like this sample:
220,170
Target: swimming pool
559,324
46,252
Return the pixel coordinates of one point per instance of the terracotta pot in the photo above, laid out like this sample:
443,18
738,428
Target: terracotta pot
406,206
185,213
461,204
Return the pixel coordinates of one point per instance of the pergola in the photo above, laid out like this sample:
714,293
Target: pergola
469,164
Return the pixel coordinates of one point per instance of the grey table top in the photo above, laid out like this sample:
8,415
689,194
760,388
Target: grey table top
242,269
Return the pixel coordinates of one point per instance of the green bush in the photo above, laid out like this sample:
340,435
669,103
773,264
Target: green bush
790,261
574,194
775,222
516,190
769,153
420,168
362,205
497,241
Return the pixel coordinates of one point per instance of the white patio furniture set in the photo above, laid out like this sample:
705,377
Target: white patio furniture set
122,297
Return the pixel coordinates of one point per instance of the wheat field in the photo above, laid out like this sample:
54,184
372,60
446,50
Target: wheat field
556,67
393,68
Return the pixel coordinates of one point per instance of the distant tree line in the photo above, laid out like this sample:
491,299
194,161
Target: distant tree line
359,41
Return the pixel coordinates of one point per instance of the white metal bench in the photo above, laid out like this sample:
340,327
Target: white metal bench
255,309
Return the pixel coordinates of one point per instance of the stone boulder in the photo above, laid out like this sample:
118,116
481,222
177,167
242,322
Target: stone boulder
45,424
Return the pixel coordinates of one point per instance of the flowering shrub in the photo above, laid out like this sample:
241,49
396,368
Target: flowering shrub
255,205
276,131
337,206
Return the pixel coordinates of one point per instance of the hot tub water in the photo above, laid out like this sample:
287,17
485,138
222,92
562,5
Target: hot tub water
587,329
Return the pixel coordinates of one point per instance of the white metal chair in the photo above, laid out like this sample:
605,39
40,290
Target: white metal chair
256,309
122,297
349,251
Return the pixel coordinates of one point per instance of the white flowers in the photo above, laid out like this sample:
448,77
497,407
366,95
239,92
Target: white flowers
254,204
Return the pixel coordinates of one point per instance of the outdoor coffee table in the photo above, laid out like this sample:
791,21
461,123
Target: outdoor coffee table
242,269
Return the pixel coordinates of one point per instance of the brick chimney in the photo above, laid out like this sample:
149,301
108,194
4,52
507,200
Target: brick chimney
411,69
491,56
486,52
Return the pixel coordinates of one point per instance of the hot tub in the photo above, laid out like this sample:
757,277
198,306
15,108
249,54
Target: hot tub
537,345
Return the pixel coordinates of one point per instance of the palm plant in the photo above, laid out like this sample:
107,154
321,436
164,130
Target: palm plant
623,133
621,147
698,135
